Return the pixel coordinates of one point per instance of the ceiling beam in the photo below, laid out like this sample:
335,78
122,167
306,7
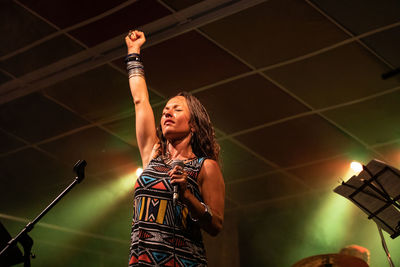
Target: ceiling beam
157,31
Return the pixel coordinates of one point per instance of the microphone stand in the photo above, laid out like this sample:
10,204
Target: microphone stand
79,169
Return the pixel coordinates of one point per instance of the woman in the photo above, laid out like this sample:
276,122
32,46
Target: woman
165,233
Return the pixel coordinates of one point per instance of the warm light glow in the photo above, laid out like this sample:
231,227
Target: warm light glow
139,172
356,166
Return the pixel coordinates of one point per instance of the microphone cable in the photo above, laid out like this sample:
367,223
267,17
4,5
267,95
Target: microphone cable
180,163
174,229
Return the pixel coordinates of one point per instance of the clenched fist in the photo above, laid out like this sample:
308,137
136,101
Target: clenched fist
134,41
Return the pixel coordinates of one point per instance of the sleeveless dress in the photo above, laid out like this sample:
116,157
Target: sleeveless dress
160,235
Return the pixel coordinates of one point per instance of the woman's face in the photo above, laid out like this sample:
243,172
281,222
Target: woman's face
175,119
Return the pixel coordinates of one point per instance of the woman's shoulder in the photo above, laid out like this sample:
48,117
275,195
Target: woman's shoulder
210,164
209,168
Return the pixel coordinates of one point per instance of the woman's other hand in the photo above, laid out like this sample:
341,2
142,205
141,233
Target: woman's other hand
179,177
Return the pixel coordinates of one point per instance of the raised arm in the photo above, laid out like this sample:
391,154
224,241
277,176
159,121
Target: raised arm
145,124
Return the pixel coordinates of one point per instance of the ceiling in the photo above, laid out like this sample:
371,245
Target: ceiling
293,88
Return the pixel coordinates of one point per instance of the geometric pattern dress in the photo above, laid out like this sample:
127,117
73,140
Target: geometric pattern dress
161,234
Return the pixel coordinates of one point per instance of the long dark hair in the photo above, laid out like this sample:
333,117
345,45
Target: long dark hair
203,141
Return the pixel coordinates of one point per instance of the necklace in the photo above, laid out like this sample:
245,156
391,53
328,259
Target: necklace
168,160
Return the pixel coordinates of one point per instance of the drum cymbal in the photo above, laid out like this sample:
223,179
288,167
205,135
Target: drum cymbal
331,260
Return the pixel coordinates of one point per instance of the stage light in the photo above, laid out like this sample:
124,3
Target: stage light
93,199
139,172
356,166
331,216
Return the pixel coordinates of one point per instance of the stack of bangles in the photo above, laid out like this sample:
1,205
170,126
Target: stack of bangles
134,65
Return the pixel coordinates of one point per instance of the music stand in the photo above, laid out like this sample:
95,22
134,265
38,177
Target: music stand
376,191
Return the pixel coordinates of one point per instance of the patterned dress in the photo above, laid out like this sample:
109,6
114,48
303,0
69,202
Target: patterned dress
159,233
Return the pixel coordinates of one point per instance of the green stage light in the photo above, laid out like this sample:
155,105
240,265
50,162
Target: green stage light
86,207
328,226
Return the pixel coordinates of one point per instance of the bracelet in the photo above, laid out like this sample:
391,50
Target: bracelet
207,216
134,64
132,57
135,68
136,72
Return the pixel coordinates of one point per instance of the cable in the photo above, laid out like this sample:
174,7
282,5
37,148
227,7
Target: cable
174,228
384,246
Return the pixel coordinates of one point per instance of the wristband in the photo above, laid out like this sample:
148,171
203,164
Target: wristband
132,57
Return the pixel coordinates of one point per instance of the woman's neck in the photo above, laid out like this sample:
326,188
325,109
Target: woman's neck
180,149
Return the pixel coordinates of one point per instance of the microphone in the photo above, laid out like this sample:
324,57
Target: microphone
176,162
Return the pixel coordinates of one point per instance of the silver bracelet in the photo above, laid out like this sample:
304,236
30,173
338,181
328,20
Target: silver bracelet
207,213
135,68
134,64
135,72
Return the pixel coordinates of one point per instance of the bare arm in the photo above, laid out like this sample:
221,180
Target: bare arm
145,124
212,188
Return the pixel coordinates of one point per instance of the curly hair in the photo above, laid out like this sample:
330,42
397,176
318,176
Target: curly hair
203,141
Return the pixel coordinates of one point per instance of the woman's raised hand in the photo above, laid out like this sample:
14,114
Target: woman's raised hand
134,41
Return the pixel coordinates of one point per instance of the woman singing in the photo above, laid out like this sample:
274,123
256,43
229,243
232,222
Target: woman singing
182,152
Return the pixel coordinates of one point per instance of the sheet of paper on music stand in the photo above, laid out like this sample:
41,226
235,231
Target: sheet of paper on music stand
369,200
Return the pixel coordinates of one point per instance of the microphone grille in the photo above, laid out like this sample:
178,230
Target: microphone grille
177,162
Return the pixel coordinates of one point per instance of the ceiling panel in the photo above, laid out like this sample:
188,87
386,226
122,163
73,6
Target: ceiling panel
101,150
386,44
124,128
233,108
154,95
181,4
391,152
299,141
31,180
41,55
8,142
120,63
268,187
59,12
274,31
4,77
30,163
15,21
218,133
75,253
99,198
237,163
157,110
373,121
328,174
107,86
290,219
131,17
40,119
360,16
183,64
229,205
343,74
